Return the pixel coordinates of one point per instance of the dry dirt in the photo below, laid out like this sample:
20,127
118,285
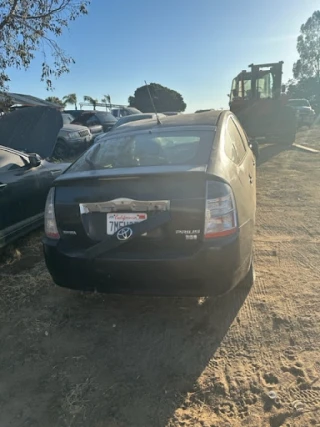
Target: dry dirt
248,359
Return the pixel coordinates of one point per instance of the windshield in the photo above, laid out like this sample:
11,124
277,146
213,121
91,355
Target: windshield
298,103
147,149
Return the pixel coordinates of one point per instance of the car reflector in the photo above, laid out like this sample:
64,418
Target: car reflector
221,215
50,224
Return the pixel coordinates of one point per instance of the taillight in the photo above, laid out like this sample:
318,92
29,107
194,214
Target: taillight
221,214
50,224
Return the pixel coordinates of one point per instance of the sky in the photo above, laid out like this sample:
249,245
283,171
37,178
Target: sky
195,47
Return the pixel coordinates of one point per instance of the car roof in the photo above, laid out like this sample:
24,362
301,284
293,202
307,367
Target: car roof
205,119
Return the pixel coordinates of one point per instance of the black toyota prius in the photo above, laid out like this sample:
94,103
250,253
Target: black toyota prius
160,207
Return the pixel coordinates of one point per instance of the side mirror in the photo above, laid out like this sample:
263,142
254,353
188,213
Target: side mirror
255,148
34,160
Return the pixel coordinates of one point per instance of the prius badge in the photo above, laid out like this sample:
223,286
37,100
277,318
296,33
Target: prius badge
124,233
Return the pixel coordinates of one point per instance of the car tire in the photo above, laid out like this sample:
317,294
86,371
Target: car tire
61,150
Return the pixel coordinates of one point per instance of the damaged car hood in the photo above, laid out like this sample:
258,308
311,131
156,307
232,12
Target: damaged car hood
31,129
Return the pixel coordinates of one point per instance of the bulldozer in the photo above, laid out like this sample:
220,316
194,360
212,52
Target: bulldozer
259,101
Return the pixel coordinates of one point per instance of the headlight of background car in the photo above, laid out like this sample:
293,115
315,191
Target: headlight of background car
73,135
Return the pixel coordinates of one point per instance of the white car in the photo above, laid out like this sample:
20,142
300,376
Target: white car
71,138
305,114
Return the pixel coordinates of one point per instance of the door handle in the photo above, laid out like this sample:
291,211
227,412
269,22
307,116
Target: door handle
250,178
3,186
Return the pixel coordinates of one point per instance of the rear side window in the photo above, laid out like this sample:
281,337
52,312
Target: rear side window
234,146
148,149
105,117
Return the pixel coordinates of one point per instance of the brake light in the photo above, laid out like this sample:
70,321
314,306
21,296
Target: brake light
221,214
50,224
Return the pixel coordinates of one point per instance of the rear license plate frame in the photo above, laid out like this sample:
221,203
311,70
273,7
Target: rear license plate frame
124,219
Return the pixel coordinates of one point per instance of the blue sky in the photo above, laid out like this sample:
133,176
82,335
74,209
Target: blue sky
193,46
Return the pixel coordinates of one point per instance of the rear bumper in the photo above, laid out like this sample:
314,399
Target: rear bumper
213,269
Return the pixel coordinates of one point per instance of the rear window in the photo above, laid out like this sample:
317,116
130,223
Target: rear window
148,149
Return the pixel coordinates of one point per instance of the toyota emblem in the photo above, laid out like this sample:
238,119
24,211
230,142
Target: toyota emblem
124,233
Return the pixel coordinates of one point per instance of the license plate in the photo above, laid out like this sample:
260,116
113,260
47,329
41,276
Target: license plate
115,221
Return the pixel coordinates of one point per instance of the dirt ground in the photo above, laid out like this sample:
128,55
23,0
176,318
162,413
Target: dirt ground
250,358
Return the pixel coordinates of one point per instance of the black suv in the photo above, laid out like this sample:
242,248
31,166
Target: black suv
97,121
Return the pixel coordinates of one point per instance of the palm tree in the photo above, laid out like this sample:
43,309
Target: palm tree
91,100
71,99
107,100
55,100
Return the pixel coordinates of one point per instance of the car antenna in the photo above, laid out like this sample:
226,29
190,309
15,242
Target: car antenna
152,102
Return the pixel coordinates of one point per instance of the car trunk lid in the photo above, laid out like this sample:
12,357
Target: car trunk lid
91,208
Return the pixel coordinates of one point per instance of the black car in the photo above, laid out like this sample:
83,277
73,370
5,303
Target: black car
27,136
158,208
97,121
124,111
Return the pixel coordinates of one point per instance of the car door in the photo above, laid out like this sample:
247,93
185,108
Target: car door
249,160
18,190
243,180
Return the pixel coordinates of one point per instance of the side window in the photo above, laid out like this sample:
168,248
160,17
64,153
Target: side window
9,161
92,121
235,147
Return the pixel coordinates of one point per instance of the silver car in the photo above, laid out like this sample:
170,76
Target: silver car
305,113
72,138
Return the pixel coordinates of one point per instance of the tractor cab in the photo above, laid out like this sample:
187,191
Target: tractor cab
262,82
256,99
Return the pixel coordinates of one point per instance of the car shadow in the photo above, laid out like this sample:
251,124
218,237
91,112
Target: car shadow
267,152
143,355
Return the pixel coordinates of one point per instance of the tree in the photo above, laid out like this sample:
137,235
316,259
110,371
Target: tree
308,46
164,99
106,99
71,99
28,26
91,100
55,100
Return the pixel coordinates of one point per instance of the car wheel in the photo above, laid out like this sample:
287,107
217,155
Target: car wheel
61,150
